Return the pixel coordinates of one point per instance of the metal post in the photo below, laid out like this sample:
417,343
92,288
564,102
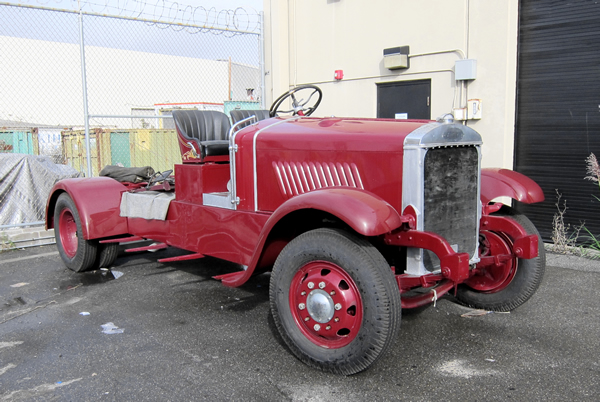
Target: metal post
85,99
261,62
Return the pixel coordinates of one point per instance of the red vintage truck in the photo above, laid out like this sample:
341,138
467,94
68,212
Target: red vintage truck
354,218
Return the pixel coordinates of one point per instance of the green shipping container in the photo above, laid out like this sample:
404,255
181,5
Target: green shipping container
228,106
19,141
119,148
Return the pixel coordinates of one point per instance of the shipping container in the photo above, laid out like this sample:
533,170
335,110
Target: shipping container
156,148
228,106
74,149
129,147
19,141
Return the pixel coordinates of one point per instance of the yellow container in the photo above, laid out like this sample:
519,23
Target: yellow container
129,147
156,148
74,149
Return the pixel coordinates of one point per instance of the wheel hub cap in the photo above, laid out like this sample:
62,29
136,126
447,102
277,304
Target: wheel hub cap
320,306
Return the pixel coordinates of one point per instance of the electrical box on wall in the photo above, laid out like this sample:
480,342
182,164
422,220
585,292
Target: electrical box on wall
465,69
474,109
396,57
460,114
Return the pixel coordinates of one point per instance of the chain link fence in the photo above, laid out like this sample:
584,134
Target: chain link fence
89,84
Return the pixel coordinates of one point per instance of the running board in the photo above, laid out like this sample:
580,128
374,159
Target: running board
158,246
229,277
182,258
122,240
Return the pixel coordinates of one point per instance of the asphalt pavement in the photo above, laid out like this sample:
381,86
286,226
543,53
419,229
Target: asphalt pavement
168,332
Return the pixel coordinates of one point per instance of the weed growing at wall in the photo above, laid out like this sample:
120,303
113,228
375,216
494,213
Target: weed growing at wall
580,240
563,239
6,243
593,174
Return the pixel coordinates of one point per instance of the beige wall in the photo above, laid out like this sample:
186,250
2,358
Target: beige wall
307,40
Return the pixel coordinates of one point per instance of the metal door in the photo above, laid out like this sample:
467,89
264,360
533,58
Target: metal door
404,100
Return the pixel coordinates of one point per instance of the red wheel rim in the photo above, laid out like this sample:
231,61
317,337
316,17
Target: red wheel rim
491,278
67,228
326,304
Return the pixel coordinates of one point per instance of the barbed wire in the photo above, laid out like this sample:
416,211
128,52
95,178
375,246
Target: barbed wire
162,13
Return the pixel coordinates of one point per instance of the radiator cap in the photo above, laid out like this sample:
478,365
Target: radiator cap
446,118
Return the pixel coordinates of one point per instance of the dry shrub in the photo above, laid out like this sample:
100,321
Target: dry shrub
563,241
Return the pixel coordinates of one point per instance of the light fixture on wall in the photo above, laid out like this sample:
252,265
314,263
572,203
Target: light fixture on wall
396,57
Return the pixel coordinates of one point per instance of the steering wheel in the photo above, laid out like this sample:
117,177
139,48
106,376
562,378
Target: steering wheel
299,107
158,177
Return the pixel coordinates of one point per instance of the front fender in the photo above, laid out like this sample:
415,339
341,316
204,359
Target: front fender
98,201
366,213
497,182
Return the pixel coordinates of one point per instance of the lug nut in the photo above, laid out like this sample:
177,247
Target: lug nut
332,293
303,293
301,306
328,327
321,285
307,319
317,327
338,306
336,319
310,285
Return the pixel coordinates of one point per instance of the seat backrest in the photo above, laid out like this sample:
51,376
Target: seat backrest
240,114
202,125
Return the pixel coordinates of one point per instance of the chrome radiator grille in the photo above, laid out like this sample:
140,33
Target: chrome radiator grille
450,199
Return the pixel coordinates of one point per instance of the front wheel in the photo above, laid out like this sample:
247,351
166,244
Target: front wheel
76,252
335,301
507,284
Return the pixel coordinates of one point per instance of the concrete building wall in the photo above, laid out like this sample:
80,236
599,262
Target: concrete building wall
244,78
306,41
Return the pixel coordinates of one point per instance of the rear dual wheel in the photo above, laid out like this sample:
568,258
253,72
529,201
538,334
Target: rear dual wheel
76,252
107,254
335,301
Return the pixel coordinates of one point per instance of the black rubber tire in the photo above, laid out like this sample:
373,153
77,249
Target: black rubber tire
376,285
527,279
85,254
106,254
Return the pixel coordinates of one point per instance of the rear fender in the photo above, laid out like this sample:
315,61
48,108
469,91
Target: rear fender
98,201
364,212
497,182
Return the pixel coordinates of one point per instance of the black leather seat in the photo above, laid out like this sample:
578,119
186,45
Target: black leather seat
208,130
239,115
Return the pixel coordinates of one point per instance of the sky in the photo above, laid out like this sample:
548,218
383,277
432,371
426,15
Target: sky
229,14
49,29
99,5
141,36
